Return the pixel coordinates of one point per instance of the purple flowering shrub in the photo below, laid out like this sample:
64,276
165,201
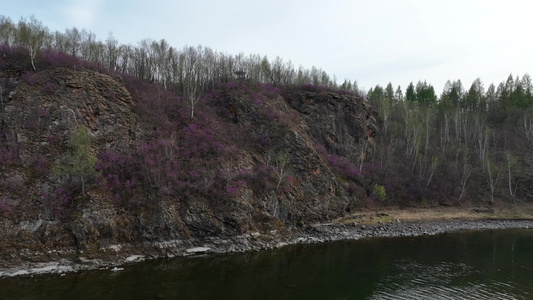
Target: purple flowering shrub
52,59
6,207
9,154
29,77
39,167
121,175
261,180
174,164
339,165
49,88
348,175
16,59
59,59
58,200
14,184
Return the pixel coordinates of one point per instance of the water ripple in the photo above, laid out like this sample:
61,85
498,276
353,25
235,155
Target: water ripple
416,281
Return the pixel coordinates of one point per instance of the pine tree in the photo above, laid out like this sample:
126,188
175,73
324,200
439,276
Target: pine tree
410,94
79,162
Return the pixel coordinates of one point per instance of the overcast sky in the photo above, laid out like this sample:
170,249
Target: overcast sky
372,42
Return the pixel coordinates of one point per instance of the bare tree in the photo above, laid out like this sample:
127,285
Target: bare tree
493,173
73,41
466,172
464,180
511,162
31,35
525,123
1,102
7,31
194,81
112,52
282,166
433,168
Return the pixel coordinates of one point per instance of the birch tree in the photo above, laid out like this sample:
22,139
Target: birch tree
282,166
493,173
525,124
194,82
31,35
7,31
511,162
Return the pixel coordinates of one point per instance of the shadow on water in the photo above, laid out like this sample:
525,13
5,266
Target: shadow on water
465,265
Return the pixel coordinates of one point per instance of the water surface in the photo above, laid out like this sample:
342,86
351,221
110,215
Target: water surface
495,264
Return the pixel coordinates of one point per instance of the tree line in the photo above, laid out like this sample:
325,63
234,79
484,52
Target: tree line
468,143
189,70
447,148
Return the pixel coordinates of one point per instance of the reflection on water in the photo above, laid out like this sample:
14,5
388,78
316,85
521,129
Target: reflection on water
467,265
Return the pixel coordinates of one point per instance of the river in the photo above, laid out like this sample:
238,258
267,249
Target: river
490,264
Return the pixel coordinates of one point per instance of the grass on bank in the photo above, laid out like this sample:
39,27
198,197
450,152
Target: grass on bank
388,215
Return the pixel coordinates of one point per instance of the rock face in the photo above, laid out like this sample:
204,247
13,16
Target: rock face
39,118
58,100
302,129
341,123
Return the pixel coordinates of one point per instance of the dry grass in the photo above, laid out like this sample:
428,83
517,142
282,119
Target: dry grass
386,215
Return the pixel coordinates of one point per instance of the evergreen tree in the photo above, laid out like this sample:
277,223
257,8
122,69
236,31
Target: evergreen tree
398,95
79,162
410,94
518,95
474,99
425,94
389,93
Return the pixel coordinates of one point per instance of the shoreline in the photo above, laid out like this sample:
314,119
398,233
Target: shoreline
308,234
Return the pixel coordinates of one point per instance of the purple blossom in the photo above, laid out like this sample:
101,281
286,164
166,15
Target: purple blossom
6,206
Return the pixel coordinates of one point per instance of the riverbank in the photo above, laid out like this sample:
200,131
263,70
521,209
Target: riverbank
386,223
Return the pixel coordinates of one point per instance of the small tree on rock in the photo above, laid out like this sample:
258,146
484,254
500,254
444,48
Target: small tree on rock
80,161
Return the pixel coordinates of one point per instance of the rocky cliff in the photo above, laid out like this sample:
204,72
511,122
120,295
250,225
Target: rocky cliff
291,161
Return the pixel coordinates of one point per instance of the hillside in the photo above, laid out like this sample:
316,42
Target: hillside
252,159
108,149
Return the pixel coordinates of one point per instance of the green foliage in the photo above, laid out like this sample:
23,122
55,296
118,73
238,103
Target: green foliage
425,94
380,193
452,94
410,94
80,161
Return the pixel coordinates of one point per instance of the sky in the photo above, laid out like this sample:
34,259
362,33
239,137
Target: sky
371,42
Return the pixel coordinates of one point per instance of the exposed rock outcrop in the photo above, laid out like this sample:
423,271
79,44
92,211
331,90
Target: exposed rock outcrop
301,130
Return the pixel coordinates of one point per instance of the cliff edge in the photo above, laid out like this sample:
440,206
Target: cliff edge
254,159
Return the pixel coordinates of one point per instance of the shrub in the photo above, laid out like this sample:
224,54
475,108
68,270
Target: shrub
14,184
58,201
49,88
122,175
9,154
39,166
262,179
6,206
29,77
380,193
80,161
